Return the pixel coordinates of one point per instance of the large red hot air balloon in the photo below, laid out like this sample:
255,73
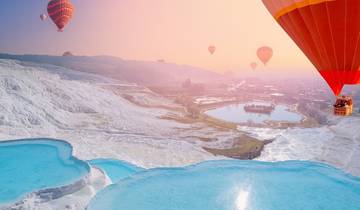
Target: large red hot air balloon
264,54
253,65
212,49
60,11
328,32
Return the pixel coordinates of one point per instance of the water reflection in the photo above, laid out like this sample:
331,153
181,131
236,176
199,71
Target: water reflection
242,199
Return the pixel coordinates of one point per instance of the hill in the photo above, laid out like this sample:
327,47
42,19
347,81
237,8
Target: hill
140,72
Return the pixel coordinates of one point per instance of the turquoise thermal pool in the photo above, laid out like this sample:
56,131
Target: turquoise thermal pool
234,185
36,164
115,169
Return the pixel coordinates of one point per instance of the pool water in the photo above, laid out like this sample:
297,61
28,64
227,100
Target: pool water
237,114
31,165
234,185
115,169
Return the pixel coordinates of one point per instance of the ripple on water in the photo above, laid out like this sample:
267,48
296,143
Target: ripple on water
234,185
36,164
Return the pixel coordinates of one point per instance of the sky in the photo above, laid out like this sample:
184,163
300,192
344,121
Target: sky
178,31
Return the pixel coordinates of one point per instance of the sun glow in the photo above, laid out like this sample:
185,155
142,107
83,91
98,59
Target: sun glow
242,199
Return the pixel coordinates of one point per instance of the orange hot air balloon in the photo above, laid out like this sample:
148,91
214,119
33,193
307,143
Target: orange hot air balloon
253,65
264,54
212,49
43,17
61,12
328,32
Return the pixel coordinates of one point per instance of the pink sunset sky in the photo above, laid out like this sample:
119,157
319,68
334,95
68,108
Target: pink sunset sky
178,31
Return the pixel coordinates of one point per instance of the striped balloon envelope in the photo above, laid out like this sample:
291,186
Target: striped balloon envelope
60,12
328,32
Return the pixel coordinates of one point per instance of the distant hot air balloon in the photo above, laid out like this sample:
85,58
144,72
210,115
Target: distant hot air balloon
212,49
43,17
253,65
60,11
161,60
264,54
328,32
67,54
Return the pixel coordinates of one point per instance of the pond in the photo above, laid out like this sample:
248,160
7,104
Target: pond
234,185
237,114
36,164
115,169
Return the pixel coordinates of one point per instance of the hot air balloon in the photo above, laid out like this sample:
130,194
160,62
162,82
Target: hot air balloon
328,32
161,60
253,65
264,54
43,17
60,11
67,54
212,49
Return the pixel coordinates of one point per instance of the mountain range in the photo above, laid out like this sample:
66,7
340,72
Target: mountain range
146,73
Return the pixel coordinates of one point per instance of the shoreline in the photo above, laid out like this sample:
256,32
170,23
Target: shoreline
244,146
305,122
